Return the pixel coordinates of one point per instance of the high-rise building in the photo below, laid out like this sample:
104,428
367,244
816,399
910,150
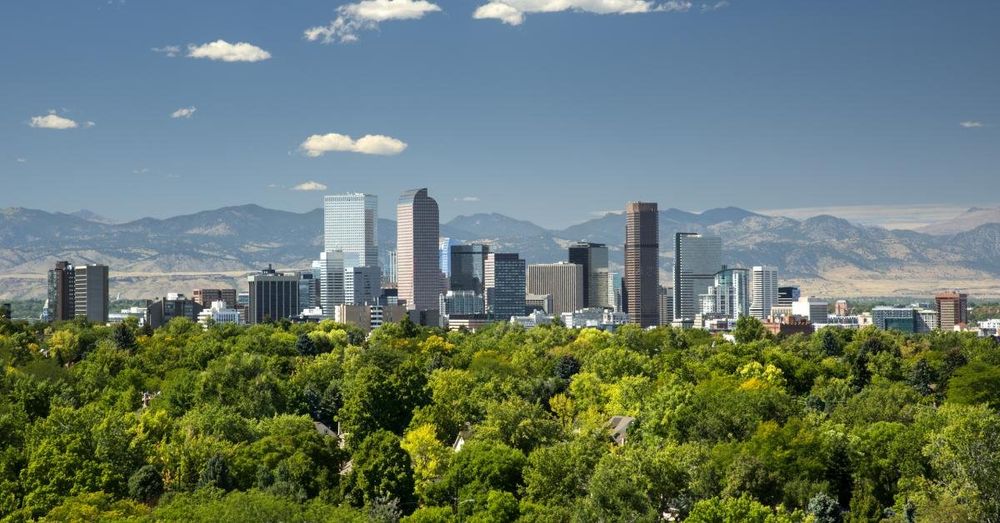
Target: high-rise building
729,296
273,295
461,303
788,295
763,291
468,266
593,257
362,285
697,258
444,255
331,281
62,285
952,308
389,274
206,297
563,281
903,319
641,283
90,294
666,296
309,287
351,228
505,285
350,225
419,269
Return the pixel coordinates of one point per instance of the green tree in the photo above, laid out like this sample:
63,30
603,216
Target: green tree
380,469
749,329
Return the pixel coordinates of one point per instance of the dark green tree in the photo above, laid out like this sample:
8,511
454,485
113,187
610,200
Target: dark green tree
146,484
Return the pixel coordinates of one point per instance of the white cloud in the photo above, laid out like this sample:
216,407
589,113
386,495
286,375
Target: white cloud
972,124
469,199
170,50
365,16
54,121
22,160
320,144
722,4
512,12
224,51
309,186
184,112
143,170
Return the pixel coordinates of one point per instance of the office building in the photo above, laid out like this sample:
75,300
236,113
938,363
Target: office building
331,281
812,309
467,264
763,291
666,297
927,320
505,285
563,281
729,295
641,282
696,260
902,319
90,293
461,303
173,305
418,261
538,302
350,225
219,312
273,295
593,257
389,269
369,317
952,308
614,290
788,295
444,255
594,317
62,286
309,289
206,297
362,285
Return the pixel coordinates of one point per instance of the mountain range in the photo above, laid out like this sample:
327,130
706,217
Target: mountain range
827,255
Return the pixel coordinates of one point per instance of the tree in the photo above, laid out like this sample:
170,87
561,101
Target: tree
749,329
146,484
380,469
975,383
825,509
215,473
305,346
123,336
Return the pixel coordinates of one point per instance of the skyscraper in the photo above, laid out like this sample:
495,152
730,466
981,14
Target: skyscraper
351,228
729,296
350,224
62,285
468,265
952,308
444,253
91,292
642,274
593,257
763,291
418,263
505,287
563,281
696,260
331,281
273,295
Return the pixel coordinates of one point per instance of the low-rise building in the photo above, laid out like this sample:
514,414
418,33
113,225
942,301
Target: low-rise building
220,312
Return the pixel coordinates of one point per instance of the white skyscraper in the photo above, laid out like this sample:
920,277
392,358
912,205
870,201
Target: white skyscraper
350,227
763,291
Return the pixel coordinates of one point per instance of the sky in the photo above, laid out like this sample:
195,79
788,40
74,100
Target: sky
548,110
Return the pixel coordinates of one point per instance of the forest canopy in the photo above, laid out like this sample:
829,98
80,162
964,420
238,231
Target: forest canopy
314,422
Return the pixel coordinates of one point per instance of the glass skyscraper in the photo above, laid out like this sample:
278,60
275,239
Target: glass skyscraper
696,260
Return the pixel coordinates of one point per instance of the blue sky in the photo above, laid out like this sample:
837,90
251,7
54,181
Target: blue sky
759,104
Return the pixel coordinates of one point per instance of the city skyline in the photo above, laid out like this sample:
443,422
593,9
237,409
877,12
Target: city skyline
869,95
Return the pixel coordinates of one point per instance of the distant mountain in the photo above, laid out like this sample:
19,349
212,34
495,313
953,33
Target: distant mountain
151,256
966,221
91,216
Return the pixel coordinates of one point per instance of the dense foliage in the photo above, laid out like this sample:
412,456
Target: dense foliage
241,424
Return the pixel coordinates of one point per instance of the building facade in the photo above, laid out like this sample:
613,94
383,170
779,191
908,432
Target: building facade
952,308
62,286
696,260
273,295
505,285
350,225
563,281
593,257
90,294
763,291
641,282
467,264
418,268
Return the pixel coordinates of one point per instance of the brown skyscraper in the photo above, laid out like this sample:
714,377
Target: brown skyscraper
62,286
642,275
418,270
952,309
